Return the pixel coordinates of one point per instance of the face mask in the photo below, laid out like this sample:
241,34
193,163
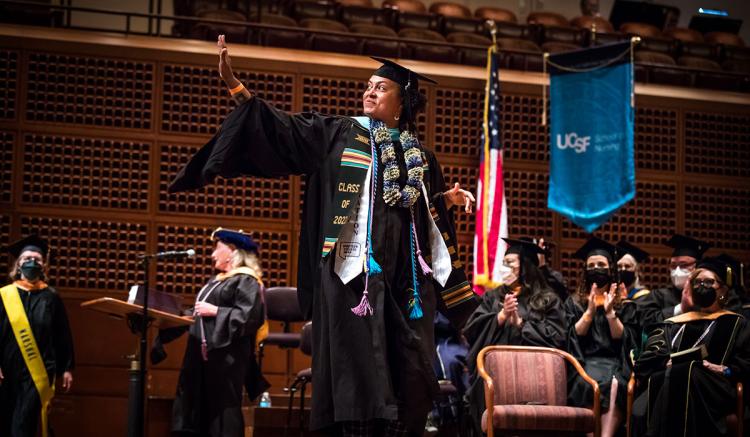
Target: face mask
31,270
704,297
627,277
507,276
600,277
679,276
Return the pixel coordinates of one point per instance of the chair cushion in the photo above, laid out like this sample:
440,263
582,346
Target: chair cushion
283,339
540,418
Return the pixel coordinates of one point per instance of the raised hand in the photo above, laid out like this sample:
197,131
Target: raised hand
457,196
609,299
225,64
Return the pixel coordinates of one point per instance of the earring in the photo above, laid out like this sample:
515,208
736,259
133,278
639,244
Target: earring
397,117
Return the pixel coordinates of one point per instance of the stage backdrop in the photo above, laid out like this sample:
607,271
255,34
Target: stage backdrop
93,127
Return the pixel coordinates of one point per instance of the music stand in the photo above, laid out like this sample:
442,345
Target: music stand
133,314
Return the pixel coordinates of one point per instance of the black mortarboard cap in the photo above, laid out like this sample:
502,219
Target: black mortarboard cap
31,242
525,249
738,269
400,74
625,248
718,266
687,246
596,246
238,239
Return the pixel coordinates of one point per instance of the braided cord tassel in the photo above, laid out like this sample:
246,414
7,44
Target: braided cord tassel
371,266
415,302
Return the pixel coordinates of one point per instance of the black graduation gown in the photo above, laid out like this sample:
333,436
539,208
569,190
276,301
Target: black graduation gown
209,393
373,367
601,356
540,328
20,411
687,398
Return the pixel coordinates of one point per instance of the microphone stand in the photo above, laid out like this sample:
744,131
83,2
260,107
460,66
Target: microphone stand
137,372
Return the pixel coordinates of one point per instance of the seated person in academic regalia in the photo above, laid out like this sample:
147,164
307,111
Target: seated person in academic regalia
629,276
597,336
220,354
523,311
691,363
665,302
30,304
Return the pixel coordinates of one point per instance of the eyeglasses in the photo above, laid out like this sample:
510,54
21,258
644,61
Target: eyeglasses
683,266
708,283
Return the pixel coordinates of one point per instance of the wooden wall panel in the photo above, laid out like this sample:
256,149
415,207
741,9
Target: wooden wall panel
7,143
91,91
78,171
104,129
8,83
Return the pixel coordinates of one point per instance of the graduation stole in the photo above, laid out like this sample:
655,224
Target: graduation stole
28,347
355,161
457,294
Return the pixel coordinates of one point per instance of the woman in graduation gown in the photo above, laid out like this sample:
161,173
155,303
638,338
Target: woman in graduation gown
597,336
634,292
524,311
21,408
374,201
690,365
221,343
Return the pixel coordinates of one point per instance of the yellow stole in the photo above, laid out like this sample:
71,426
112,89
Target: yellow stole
697,315
27,344
263,330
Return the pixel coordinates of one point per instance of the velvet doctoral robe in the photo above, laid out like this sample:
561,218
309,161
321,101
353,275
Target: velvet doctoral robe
209,393
688,399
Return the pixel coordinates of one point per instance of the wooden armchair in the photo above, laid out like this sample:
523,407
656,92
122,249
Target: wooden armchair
525,391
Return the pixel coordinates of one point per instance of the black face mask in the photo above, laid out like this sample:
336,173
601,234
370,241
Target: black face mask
627,278
31,270
600,277
704,297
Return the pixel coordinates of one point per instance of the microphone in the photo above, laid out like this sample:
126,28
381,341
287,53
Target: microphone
171,254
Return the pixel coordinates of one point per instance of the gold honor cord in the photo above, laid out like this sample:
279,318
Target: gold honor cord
27,344
630,50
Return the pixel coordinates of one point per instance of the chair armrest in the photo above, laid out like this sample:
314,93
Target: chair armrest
489,388
631,395
740,409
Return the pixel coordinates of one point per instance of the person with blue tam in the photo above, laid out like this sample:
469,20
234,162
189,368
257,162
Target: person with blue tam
31,364
220,354
377,254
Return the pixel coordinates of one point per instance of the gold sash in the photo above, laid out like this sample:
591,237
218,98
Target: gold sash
27,344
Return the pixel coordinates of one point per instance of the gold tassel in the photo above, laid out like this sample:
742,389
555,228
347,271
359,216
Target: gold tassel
729,277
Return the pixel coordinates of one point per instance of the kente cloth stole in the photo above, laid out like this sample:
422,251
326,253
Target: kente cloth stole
29,349
355,162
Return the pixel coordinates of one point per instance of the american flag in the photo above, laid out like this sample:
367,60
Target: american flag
492,218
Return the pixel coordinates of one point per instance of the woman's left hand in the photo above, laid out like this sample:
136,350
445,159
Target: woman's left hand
67,381
204,309
716,368
609,299
457,196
